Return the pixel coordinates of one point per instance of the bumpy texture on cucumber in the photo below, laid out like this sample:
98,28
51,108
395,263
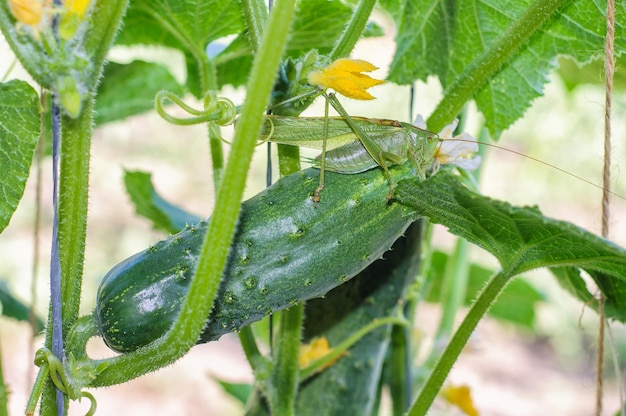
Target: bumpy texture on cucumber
351,385
286,250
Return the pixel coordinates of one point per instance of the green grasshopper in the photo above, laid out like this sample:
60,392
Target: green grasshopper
354,144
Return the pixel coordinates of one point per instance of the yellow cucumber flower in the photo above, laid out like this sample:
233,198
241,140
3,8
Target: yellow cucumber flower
73,14
460,397
318,348
77,7
458,150
28,13
345,76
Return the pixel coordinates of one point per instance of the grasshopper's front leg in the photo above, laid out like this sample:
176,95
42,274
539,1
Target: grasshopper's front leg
320,186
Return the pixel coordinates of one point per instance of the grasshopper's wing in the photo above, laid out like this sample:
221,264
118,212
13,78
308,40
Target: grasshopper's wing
309,131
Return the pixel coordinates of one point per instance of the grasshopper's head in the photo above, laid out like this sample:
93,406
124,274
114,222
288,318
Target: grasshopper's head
444,148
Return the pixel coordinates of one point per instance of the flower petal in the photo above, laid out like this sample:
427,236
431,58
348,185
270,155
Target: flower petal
460,151
419,122
448,131
351,65
344,76
460,396
27,12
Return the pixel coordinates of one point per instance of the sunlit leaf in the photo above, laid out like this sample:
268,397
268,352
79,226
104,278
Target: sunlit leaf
19,131
317,25
433,40
521,239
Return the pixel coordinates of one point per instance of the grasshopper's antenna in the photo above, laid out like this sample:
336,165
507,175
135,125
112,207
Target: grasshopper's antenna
316,92
534,159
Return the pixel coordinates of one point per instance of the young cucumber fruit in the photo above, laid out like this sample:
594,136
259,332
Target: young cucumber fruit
286,250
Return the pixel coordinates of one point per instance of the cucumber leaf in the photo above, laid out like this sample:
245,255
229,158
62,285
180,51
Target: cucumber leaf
515,305
149,204
192,27
238,391
188,26
19,132
520,238
185,25
12,307
317,25
433,40
129,89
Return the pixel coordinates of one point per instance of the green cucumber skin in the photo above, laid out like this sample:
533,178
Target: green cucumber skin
349,386
286,250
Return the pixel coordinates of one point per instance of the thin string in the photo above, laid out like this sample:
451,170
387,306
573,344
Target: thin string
55,263
609,67
55,260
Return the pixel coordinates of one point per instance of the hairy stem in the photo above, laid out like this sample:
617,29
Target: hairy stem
197,306
353,31
457,343
488,63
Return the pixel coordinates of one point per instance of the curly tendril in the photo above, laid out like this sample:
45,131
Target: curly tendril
52,367
218,110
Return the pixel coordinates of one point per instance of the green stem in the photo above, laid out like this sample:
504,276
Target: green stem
281,394
340,349
398,374
258,363
35,394
73,201
454,287
457,343
4,394
208,82
255,14
488,63
205,283
217,154
353,31
72,224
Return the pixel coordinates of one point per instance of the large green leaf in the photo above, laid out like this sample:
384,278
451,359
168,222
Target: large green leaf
185,25
520,238
446,38
191,26
317,25
149,204
129,89
19,131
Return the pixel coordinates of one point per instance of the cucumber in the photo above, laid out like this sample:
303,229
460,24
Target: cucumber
286,250
350,386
